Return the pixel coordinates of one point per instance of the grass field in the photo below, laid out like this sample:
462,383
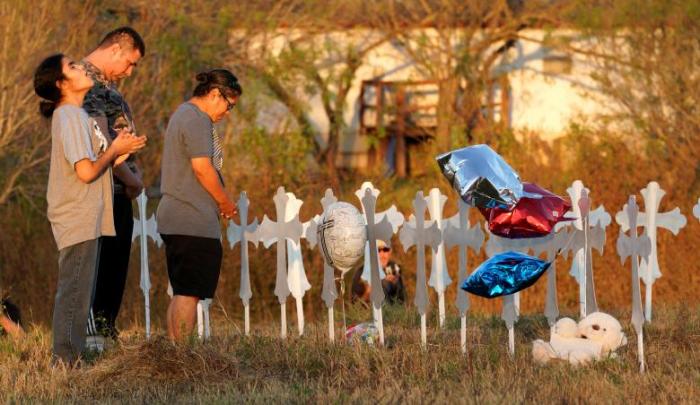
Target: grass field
231,368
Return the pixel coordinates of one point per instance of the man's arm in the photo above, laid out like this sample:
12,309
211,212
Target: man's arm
209,179
128,177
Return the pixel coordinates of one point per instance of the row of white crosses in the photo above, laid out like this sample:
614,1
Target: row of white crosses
579,237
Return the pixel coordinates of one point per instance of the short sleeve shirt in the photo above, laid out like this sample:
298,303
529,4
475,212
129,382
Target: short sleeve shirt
77,211
186,208
106,102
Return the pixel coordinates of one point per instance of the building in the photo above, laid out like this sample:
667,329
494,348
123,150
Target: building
536,89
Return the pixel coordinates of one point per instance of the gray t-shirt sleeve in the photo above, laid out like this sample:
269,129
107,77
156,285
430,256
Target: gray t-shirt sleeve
196,135
75,135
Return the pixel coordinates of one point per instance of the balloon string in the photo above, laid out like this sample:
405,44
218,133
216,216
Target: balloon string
566,246
342,300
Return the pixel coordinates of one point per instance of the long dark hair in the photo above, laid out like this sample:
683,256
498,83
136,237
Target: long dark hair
47,74
220,79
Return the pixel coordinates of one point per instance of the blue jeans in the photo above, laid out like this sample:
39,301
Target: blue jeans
77,272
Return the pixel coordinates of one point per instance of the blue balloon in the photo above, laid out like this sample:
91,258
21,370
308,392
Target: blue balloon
505,274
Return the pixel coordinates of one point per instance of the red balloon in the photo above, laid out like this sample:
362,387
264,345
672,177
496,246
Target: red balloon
531,217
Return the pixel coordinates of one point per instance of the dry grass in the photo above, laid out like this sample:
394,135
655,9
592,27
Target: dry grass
263,368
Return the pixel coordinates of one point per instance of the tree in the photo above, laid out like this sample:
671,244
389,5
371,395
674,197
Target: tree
458,42
30,33
646,56
303,50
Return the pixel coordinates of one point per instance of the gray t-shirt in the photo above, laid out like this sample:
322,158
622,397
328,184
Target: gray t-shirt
186,208
77,211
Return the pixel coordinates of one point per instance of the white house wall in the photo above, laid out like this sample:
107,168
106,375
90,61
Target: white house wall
540,102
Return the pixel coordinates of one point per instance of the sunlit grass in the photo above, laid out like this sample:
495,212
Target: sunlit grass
264,368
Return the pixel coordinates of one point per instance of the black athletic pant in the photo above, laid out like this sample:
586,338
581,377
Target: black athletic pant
113,268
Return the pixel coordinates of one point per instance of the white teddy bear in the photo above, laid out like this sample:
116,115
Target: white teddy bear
596,336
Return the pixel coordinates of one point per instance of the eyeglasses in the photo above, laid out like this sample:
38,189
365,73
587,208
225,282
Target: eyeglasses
384,249
229,105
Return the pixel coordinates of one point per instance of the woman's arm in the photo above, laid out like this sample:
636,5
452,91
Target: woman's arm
209,179
87,170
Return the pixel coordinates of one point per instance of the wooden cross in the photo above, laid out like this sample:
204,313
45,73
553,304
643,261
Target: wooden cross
395,218
203,319
634,247
550,247
243,234
673,220
459,233
279,232
145,229
375,230
589,232
439,276
296,274
419,233
329,292
511,303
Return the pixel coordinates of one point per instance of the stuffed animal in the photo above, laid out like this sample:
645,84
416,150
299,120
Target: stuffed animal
595,337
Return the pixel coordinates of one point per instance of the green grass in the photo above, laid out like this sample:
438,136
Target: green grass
263,368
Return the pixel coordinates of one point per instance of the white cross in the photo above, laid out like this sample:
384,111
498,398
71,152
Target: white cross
145,229
439,277
329,292
673,220
296,275
279,232
420,233
551,246
634,246
696,209
376,230
511,303
203,320
243,234
584,240
459,233
395,218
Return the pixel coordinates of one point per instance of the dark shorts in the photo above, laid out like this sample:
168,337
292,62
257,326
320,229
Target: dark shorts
194,264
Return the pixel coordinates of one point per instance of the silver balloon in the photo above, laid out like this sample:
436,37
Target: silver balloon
342,235
481,177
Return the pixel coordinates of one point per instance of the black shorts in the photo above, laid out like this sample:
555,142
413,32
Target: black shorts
194,264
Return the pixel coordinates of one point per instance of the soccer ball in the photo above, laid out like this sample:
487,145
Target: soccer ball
342,235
